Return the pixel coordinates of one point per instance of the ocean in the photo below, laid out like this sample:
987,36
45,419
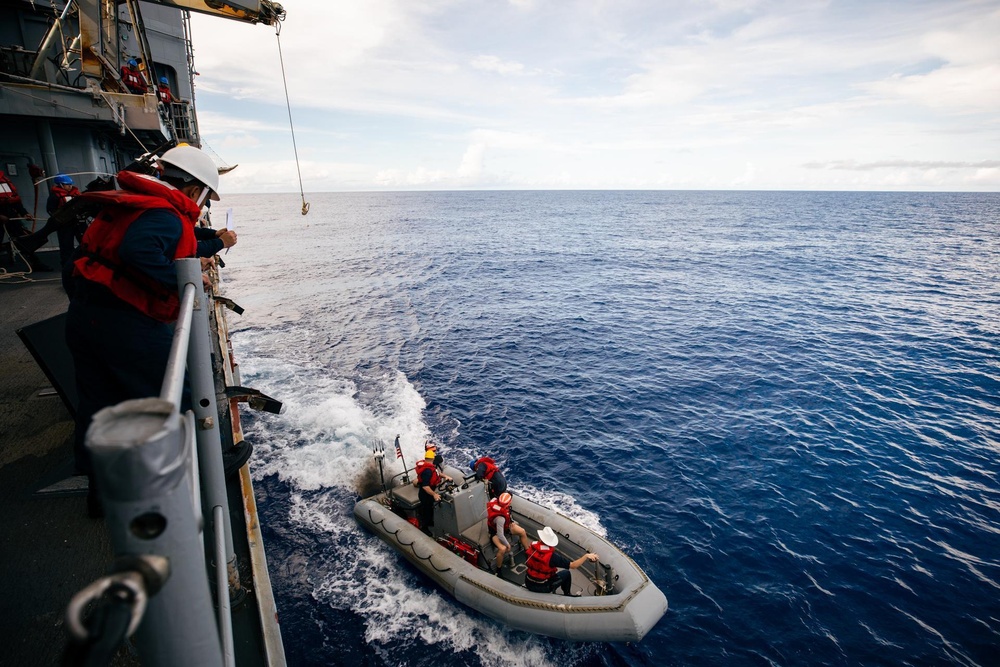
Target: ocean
783,406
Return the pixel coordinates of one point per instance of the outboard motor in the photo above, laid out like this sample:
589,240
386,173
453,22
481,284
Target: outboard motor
604,579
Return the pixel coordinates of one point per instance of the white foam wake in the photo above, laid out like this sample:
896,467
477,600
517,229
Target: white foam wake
320,447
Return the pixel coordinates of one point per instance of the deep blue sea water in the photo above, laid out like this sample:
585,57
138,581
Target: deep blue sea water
783,406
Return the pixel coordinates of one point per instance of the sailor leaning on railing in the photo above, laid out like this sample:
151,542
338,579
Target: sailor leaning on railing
123,284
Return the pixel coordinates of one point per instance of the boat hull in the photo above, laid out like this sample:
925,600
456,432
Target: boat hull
626,615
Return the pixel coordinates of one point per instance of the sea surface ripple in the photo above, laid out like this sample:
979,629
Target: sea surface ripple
783,406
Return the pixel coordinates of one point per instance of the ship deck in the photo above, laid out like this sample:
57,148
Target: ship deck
50,547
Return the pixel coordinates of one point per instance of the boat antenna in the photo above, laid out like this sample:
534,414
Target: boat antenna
378,450
288,103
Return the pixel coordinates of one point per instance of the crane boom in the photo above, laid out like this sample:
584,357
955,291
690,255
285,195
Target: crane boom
248,11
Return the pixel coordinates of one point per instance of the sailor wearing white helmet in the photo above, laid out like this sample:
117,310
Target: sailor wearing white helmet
123,292
544,574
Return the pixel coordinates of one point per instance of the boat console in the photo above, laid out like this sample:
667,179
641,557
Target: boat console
461,507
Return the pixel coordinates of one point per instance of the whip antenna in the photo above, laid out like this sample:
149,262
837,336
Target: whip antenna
288,103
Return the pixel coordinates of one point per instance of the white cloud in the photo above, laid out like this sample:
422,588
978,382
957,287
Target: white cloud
495,64
637,93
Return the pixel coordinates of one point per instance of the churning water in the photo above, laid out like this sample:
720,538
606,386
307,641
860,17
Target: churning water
783,406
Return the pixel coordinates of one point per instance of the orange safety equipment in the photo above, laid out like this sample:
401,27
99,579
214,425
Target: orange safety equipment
100,262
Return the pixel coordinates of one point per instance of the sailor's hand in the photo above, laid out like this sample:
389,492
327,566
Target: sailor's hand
207,263
593,558
228,237
437,498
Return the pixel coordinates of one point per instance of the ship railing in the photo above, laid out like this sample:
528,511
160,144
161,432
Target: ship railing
183,122
155,469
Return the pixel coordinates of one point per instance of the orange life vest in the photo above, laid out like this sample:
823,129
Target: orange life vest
64,193
8,193
538,566
163,92
100,262
423,465
494,510
491,467
132,80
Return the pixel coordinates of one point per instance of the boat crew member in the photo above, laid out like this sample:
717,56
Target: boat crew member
132,78
428,479
163,92
123,291
500,524
486,470
549,570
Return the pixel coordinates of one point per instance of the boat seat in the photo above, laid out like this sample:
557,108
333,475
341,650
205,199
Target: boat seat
477,534
406,496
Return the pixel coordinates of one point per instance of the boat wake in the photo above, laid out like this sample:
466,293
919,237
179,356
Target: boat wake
320,449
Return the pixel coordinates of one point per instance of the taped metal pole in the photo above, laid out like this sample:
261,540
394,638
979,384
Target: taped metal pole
202,383
172,388
141,461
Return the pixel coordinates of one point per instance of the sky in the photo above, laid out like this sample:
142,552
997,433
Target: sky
606,94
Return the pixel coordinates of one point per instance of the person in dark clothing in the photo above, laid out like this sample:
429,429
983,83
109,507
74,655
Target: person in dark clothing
486,470
132,78
213,241
547,569
123,290
428,480
163,92
12,210
12,215
69,216
63,191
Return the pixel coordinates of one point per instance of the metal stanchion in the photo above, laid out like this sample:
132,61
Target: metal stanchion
202,383
140,458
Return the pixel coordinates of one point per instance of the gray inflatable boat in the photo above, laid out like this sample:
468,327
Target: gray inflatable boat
618,602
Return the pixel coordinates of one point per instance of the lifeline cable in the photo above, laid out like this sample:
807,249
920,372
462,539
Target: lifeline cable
288,103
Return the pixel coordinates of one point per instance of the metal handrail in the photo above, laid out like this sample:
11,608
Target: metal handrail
154,483
172,388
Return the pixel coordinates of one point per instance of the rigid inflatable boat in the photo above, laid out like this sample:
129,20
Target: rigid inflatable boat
617,603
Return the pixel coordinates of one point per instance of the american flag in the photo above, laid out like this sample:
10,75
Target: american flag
399,450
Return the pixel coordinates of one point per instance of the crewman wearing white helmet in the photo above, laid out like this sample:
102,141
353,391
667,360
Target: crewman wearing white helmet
123,291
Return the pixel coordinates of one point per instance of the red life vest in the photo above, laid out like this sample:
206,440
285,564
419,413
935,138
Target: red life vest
163,92
100,262
493,510
8,193
133,81
491,467
64,194
423,465
538,566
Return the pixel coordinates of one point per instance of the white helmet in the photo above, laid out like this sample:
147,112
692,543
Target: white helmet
195,163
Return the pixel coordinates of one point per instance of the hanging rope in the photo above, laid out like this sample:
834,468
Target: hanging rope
288,103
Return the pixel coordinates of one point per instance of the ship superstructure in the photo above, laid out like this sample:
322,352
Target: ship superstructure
63,102
65,108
